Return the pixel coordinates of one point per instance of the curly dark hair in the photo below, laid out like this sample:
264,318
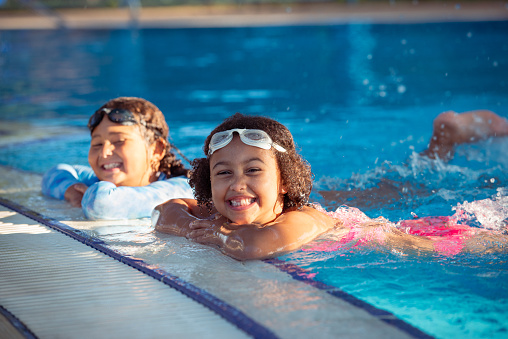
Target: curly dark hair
153,126
295,172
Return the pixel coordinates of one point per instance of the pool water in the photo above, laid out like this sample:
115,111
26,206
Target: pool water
359,100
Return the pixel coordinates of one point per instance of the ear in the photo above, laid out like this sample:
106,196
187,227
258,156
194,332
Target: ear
158,149
283,190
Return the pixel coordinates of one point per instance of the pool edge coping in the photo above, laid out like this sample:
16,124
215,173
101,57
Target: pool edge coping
228,312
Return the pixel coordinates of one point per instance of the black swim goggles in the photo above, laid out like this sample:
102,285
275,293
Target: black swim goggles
251,137
120,116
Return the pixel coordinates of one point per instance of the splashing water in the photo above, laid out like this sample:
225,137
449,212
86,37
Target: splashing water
486,213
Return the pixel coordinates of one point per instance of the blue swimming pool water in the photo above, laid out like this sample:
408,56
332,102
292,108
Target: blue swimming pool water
359,99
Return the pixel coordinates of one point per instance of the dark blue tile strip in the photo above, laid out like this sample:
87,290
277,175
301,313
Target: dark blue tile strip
18,325
228,312
301,274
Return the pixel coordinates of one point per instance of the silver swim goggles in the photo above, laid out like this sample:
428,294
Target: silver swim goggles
251,137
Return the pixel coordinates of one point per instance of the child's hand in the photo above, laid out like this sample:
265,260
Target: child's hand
203,231
74,194
208,231
215,221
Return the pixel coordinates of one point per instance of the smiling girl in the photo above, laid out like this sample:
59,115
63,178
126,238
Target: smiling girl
132,166
252,191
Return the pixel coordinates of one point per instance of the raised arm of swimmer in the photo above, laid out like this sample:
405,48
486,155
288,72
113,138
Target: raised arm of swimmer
451,129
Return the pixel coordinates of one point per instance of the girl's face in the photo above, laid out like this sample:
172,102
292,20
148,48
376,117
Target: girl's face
119,154
246,185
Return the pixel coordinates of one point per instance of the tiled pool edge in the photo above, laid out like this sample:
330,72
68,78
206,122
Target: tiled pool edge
230,313
226,311
300,274
16,323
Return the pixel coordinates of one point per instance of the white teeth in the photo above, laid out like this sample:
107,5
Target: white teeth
242,202
111,165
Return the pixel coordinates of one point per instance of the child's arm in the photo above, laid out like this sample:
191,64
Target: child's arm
104,200
59,179
289,232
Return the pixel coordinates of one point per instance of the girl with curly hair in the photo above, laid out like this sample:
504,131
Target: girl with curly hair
251,190
132,166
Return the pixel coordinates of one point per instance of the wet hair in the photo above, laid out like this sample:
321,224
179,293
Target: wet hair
295,172
153,126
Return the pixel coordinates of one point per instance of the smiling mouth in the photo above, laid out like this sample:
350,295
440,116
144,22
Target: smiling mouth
111,166
242,202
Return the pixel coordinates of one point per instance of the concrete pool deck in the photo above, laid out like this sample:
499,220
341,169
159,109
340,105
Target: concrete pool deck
56,285
257,15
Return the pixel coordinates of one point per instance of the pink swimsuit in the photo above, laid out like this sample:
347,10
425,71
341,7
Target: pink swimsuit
448,236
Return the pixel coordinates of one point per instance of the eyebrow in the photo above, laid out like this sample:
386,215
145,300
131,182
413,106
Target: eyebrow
95,135
245,162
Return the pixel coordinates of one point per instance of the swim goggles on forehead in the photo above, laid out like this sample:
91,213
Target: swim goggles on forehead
251,137
118,115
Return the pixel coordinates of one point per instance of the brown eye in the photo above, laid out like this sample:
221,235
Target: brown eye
223,172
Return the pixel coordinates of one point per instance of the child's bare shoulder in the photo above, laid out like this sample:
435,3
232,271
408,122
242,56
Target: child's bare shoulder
306,214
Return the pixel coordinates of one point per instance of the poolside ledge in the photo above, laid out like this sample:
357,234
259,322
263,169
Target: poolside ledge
257,15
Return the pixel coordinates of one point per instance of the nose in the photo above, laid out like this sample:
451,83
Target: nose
107,149
238,183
